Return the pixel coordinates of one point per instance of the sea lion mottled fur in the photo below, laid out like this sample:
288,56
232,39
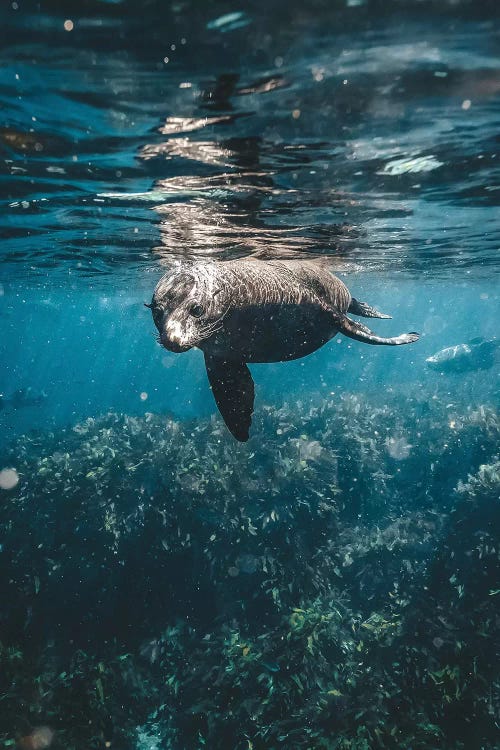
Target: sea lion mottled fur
255,311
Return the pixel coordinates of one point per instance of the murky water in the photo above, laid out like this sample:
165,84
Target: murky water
363,133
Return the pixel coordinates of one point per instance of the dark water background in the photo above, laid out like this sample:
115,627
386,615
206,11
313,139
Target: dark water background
131,133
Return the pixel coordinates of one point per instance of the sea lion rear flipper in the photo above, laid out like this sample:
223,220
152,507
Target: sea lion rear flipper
358,331
366,311
233,390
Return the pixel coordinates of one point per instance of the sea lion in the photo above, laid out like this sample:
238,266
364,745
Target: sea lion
254,311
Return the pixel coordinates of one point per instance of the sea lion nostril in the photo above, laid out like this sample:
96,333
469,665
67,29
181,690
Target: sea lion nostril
172,344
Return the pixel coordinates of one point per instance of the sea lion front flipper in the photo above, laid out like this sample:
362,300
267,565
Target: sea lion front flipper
358,331
233,390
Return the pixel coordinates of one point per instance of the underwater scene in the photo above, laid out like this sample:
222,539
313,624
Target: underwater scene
228,521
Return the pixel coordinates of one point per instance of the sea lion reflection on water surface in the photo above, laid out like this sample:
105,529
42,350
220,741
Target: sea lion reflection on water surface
255,311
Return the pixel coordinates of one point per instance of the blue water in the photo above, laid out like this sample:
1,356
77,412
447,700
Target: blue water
362,132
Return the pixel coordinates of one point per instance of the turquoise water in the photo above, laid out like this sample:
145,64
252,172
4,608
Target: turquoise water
334,582
93,350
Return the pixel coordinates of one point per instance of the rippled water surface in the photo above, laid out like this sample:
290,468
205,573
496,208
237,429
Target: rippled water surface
347,131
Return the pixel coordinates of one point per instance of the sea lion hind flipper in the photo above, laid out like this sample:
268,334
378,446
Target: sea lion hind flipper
233,390
366,311
358,331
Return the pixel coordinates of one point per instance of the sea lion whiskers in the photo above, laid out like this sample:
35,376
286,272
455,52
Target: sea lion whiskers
210,328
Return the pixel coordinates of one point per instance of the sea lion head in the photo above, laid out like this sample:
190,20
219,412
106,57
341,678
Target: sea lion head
187,307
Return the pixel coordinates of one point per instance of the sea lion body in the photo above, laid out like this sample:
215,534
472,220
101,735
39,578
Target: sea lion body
279,320
269,336
255,311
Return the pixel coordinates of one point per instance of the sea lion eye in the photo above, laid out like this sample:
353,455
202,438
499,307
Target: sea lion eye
196,311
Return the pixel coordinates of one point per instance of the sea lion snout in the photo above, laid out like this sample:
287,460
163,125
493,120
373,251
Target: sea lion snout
173,346
183,311
173,336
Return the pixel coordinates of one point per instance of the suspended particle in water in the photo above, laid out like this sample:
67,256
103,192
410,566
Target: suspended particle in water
40,738
318,73
167,362
398,448
9,478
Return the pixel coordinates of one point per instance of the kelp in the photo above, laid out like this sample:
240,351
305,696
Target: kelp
331,584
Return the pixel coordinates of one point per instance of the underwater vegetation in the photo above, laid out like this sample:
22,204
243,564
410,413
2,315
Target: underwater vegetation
333,584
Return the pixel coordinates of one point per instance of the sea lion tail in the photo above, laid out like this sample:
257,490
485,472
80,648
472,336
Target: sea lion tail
358,331
366,311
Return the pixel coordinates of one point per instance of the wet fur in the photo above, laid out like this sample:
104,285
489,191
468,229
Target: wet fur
255,311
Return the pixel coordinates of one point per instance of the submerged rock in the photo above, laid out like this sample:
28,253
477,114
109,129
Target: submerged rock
478,354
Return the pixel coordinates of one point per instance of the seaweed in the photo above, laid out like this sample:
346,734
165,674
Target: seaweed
163,587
